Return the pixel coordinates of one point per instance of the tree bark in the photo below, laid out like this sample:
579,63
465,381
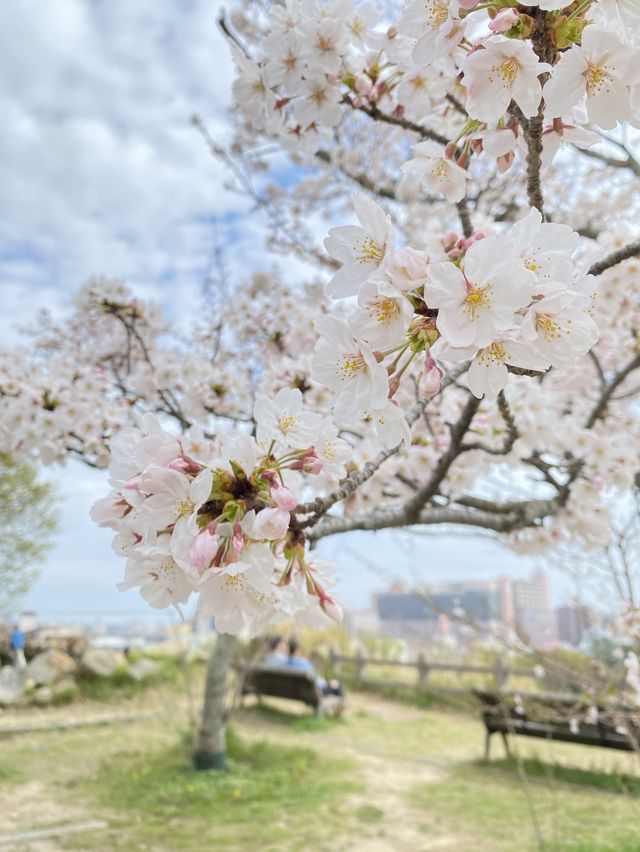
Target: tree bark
211,751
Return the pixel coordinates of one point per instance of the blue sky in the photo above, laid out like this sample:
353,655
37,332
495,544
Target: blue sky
102,173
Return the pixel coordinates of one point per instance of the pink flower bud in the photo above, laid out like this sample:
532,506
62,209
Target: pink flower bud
332,609
309,463
283,497
271,524
363,84
204,550
431,378
184,464
237,539
469,4
179,464
504,20
107,511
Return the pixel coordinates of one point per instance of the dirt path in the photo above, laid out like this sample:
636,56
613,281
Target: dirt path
390,822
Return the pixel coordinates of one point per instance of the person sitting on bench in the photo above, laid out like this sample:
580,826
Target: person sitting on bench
277,656
298,661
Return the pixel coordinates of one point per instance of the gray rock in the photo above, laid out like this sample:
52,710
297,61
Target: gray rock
12,684
67,688
51,666
102,662
143,668
43,695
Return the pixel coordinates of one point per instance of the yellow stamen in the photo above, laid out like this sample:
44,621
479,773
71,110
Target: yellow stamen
287,422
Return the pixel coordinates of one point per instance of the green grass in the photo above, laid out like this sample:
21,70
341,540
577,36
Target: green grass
271,794
121,685
301,722
489,806
613,781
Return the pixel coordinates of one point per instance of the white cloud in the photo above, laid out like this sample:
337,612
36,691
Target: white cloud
100,168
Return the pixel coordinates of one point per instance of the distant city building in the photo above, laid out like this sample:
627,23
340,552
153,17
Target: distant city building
533,617
464,609
574,621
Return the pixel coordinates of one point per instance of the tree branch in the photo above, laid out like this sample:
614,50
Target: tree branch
616,257
512,432
376,113
519,515
415,504
609,389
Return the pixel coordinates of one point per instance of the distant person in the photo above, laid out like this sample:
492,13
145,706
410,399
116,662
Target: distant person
17,646
277,656
298,661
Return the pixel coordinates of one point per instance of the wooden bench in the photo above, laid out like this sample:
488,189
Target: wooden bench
547,716
294,684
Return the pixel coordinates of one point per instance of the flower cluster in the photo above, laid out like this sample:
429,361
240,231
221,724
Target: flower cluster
509,300
575,61
214,519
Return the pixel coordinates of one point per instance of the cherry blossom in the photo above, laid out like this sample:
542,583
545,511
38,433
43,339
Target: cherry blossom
360,249
282,419
477,304
349,367
502,70
437,27
437,172
602,69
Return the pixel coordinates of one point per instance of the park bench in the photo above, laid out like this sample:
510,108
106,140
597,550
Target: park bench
548,716
294,684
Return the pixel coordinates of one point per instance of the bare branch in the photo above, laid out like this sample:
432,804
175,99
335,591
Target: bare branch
510,438
616,257
229,34
520,515
376,113
629,162
415,504
610,388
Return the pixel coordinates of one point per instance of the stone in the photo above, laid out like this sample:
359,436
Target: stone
102,662
12,684
67,688
43,696
143,668
49,666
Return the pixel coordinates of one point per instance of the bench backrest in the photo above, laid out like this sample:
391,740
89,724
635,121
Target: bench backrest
282,683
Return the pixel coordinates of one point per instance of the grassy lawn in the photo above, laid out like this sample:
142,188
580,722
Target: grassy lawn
388,777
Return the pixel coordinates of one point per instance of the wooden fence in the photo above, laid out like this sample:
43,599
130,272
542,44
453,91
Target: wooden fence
499,672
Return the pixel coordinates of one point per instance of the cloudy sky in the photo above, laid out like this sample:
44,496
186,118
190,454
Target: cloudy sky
101,172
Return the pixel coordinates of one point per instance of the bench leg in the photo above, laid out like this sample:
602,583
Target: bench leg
505,740
487,745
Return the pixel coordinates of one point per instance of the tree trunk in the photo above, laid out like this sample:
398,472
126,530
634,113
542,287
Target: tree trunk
211,751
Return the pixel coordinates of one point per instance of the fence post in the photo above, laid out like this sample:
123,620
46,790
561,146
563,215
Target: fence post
334,662
360,664
501,674
423,670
